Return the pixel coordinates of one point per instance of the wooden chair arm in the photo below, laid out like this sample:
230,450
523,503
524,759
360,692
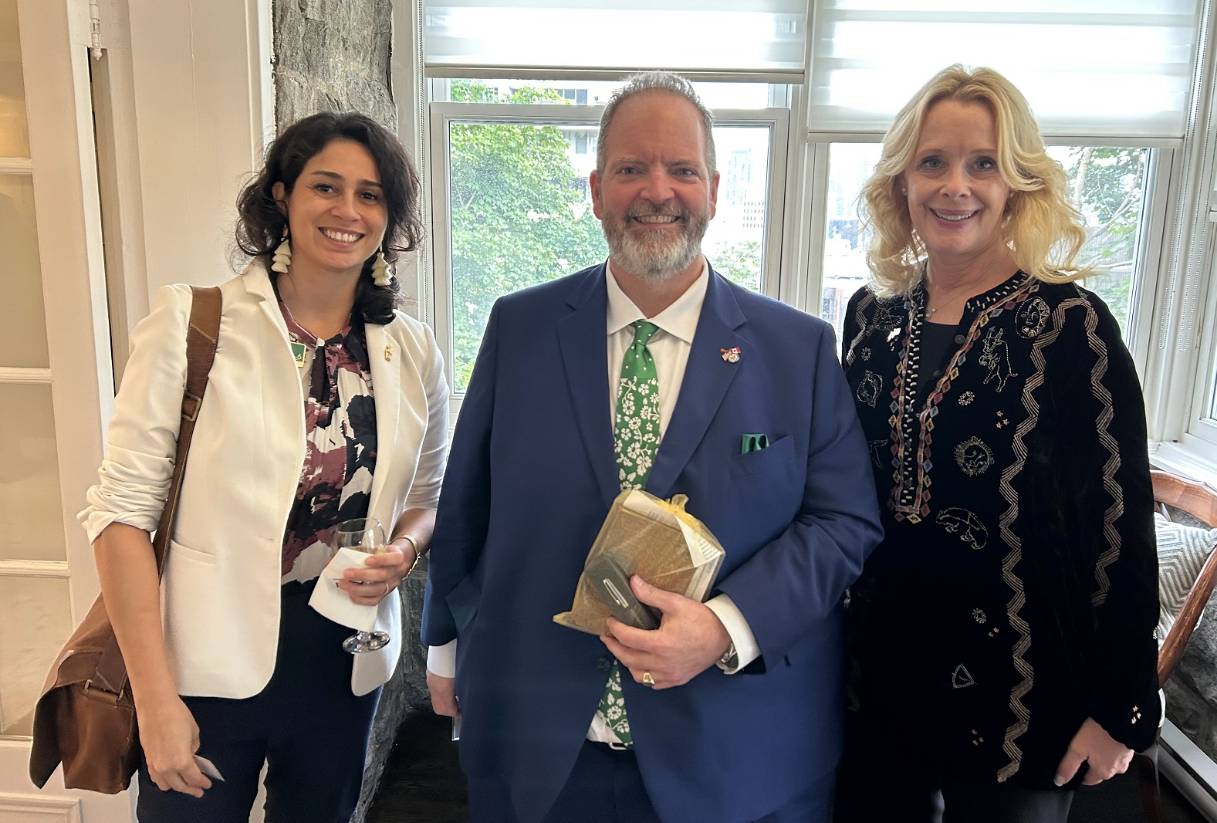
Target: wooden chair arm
1196,499
1200,502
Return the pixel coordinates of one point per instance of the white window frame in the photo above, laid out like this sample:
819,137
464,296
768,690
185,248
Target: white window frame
1150,233
442,115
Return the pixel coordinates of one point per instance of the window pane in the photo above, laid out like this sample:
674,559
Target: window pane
1106,185
35,620
845,271
735,241
588,92
14,134
22,319
521,213
31,521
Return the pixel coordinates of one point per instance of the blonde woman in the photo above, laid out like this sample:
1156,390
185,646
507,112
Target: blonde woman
1003,631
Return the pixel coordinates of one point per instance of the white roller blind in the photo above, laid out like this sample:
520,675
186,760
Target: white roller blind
1107,68
756,39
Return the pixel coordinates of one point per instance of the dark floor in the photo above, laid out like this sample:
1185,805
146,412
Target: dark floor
422,783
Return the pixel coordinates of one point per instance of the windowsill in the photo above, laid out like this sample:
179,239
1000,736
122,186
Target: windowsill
1190,770
1189,462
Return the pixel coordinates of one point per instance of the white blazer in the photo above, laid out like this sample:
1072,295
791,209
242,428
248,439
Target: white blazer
220,590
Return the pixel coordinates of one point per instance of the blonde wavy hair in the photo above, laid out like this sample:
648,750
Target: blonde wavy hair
1043,231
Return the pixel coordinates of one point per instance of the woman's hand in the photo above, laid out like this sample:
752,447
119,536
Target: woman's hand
381,574
1104,756
170,737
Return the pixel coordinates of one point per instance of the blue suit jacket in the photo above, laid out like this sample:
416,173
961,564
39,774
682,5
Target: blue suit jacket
530,478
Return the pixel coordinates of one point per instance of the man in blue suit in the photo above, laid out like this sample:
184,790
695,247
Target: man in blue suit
650,370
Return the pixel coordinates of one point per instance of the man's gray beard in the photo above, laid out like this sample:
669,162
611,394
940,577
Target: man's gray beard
655,258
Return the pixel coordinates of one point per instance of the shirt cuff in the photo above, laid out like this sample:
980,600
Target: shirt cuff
746,648
441,660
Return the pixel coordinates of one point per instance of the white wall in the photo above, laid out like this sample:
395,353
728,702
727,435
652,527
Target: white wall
192,106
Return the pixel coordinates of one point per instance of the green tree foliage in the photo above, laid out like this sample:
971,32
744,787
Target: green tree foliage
519,214
1106,186
739,262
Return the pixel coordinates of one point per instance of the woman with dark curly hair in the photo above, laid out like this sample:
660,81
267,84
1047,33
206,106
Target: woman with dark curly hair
1002,632
324,404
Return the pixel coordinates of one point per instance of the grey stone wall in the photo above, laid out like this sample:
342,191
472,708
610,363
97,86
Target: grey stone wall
333,55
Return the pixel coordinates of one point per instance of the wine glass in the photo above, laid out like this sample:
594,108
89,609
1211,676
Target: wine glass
364,534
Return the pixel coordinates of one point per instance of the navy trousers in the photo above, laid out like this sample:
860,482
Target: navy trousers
306,725
606,786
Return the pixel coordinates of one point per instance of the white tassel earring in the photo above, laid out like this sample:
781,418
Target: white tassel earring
382,272
281,262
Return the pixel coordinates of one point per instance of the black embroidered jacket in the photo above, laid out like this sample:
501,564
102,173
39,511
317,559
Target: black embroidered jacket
1015,593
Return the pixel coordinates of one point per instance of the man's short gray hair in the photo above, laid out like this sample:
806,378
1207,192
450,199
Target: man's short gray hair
653,81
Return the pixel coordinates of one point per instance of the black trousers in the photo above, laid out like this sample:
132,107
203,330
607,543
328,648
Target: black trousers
306,725
885,780
606,786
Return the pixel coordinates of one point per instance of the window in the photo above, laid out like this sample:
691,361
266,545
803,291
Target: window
511,161
1121,89
1108,186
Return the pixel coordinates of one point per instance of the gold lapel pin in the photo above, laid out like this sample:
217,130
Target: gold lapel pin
389,353
731,355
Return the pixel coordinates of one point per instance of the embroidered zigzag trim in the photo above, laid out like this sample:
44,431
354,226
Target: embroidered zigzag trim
1116,509
860,319
1018,597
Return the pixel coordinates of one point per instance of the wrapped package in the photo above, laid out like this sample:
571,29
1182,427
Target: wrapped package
654,538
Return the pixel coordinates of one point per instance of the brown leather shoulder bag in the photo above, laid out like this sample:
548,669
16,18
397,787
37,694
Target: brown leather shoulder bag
85,717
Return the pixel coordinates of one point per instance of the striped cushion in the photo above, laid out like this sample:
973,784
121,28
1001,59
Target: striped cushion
1182,551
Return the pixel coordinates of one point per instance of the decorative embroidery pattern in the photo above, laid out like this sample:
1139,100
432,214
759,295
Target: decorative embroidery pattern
887,316
1014,606
1112,464
979,616
973,456
1031,318
965,525
961,678
996,358
910,495
863,327
878,448
870,388
966,398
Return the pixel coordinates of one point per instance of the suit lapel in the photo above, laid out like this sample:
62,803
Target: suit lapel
584,344
707,377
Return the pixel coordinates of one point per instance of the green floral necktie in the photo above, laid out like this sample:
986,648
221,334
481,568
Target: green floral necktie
635,441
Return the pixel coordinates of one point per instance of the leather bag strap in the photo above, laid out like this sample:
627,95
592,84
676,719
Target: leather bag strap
202,337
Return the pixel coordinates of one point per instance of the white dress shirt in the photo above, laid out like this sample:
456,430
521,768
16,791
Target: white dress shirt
670,348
